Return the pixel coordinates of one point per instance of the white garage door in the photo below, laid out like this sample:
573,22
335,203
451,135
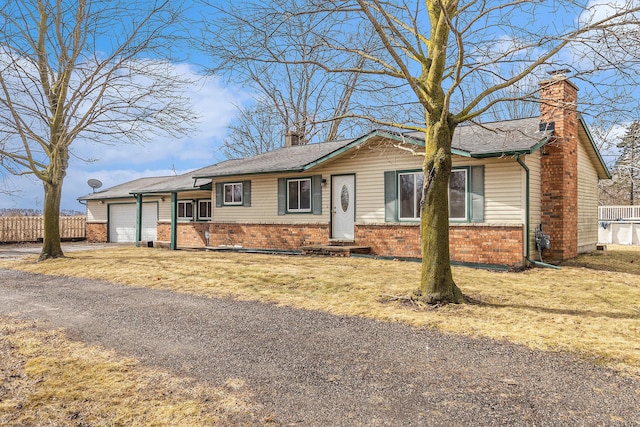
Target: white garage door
122,222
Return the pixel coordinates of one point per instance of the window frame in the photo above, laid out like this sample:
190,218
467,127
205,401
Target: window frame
233,192
467,195
184,203
210,210
299,210
415,203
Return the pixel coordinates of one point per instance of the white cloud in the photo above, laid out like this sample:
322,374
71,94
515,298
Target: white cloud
215,106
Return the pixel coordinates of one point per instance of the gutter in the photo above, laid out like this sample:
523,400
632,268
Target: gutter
527,253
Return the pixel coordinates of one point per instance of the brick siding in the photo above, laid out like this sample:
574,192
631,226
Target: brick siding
477,244
268,236
500,245
96,232
188,234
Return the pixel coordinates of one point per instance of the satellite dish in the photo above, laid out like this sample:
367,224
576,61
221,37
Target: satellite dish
94,183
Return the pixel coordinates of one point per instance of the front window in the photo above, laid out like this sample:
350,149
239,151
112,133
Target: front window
299,195
185,210
458,195
233,193
410,194
204,209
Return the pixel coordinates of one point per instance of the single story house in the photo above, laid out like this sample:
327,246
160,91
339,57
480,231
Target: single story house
508,178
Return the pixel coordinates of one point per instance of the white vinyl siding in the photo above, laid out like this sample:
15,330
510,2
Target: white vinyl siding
587,201
96,211
504,192
534,164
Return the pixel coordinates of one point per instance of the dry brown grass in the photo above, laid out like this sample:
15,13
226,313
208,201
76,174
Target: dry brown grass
591,307
46,379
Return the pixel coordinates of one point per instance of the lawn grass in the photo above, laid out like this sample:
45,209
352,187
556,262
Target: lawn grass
591,307
45,379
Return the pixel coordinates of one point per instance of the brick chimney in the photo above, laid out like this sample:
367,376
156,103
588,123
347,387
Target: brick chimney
559,187
291,138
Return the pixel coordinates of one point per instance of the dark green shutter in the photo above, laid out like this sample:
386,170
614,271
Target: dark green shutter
390,196
282,196
316,191
246,193
219,195
477,194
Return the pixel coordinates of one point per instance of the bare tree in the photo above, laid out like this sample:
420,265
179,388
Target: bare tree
460,59
277,50
256,130
84,69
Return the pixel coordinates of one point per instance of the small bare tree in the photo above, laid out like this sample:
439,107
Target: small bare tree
276,49
84,69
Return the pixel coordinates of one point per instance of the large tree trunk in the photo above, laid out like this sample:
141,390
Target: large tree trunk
436,280
51,247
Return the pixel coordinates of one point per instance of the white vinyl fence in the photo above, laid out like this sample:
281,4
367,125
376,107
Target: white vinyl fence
619,225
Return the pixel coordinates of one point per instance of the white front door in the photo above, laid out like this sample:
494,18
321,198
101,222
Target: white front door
343,206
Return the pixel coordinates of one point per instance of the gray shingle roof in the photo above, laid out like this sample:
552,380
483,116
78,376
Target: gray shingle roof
285,159
486,140
496,138
124,189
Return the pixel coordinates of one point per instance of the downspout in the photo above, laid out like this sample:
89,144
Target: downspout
527,221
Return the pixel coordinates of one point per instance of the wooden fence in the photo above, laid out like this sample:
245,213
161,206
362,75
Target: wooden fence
31,228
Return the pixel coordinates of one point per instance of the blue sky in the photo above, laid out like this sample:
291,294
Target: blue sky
214,100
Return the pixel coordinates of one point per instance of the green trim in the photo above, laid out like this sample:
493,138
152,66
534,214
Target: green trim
174,226
109,221
493,154
139,219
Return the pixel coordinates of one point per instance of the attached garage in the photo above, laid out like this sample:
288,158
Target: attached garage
122,222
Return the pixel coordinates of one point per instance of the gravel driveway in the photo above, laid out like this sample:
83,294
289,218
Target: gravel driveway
312,368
